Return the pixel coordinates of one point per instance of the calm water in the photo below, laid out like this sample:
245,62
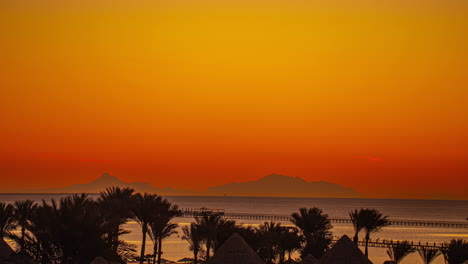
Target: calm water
174,248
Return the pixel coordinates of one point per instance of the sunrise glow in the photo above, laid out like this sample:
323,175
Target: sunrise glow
192,94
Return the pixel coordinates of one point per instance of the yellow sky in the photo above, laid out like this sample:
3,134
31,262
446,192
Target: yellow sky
294,87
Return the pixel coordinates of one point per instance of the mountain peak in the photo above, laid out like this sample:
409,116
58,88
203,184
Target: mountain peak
274,175
279,177
282,185
107,179
107,176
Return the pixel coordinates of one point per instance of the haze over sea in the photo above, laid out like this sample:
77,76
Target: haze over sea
431,210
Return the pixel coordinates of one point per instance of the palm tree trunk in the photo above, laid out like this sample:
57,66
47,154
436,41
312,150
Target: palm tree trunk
282,254
356,238
115,239
367,245
160,249
155,250
208,248
23,231
195,256
144,229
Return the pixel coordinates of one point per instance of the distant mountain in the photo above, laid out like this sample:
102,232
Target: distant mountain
107,180
271,185
280,186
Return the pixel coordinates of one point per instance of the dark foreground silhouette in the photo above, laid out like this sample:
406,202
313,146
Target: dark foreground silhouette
80,230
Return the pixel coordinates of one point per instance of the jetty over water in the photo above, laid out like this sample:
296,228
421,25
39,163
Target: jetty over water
189,213
388,243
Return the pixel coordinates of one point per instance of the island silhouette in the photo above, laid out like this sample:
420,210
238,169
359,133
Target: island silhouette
270,185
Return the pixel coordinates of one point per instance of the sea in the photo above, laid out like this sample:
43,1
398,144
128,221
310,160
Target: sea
174,248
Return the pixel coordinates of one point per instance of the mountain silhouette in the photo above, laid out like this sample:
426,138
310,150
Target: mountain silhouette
281,185
107,180
271,185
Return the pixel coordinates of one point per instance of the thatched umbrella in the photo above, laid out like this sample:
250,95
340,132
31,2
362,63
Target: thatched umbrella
186,260
344,252
309,260
101,260
235,251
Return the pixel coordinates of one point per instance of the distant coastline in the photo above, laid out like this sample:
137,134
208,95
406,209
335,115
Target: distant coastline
273,185
240,196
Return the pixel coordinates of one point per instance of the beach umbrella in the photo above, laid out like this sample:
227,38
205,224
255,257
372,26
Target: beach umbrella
163,260
101,260
186,260
344,252
235,251
309,260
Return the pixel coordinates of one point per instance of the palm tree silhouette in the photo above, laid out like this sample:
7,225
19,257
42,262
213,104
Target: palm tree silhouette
79,231
428,255
24,210
315,228
168,230
208,224
193,236
224,230
116,204
161,226
356,221
399,250
270,233
144,212
455,252
7,219
289,242
68,231
372,221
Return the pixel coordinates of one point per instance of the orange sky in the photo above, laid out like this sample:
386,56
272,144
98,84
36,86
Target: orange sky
192,94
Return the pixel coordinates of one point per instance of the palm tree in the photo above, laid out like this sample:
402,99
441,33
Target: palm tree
356,221
270,233
168,230
372,221
7,219
193,236
68,231
146,207
23,211
249,234
116,204
289,241
315,228
428,255
208,224
399,250
455,252
224,230
79,231
161,226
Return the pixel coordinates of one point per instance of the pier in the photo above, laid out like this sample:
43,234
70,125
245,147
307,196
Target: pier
189,213
388,243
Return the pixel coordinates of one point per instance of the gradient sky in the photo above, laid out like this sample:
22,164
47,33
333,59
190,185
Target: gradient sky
190,94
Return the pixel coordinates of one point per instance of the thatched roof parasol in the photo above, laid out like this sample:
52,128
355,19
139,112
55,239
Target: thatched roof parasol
101,260
235,251
186,260
344,252
309,260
